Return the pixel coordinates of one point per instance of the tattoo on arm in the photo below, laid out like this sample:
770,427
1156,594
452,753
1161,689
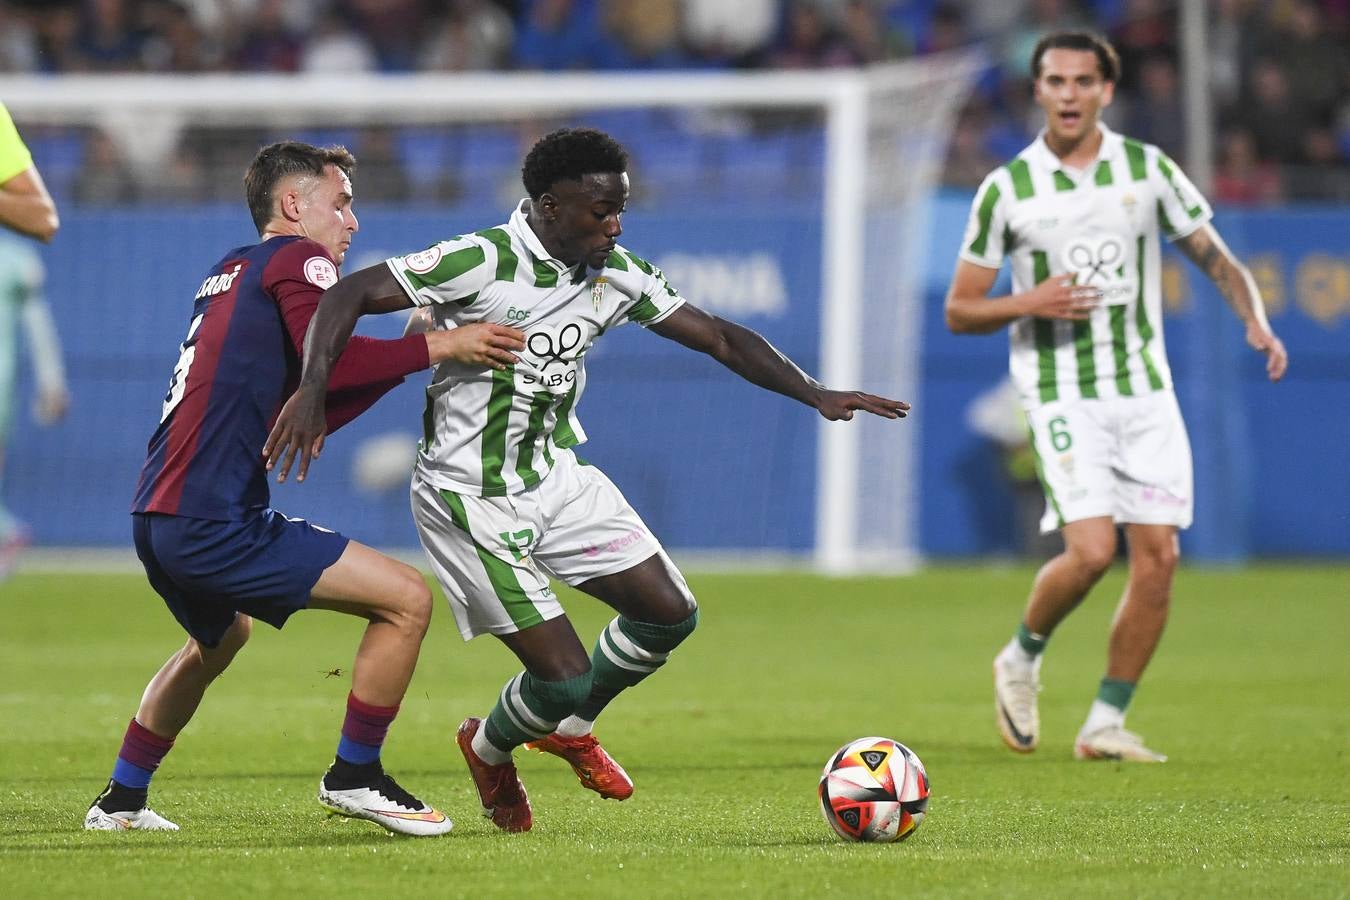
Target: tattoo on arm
1202,251
1234,282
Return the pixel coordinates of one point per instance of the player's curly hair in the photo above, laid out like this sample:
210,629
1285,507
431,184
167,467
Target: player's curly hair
1108,61
569,154
276,161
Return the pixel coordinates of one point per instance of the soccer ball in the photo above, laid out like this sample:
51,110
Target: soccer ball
874,789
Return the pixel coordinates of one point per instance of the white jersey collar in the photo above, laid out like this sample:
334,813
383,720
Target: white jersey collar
1039,151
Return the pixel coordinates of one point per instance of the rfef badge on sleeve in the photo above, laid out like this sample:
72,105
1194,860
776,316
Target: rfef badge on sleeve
598,291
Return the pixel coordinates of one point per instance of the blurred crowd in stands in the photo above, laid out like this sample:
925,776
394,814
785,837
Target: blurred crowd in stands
1279,69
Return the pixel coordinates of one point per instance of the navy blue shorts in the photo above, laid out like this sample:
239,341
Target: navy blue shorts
208,571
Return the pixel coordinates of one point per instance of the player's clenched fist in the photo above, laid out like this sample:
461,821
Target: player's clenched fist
1059,298
477,344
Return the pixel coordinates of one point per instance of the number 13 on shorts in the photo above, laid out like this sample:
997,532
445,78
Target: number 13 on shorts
518,542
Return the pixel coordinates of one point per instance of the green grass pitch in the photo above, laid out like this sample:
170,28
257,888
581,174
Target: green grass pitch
1248,694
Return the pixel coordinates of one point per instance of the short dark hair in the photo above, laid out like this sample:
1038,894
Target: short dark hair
1108,61
276,161
570,154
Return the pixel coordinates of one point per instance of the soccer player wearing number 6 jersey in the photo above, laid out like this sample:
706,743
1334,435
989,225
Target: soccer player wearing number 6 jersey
1078,213
500,499
212,546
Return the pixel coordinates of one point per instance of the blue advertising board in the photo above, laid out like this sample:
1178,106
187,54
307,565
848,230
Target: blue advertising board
710,461
707,459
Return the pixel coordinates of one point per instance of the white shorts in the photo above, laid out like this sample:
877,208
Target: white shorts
1123,457
494,555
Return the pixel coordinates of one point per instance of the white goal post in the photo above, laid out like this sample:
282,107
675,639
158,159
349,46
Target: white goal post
886,132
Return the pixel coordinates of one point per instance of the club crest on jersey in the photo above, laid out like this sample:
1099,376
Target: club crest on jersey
320,272
423,261
598,291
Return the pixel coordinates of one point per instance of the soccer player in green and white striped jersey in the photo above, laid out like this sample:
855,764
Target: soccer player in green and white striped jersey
500,499
1078,213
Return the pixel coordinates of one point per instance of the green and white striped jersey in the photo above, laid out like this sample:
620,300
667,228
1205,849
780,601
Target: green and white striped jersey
1101,225
489,432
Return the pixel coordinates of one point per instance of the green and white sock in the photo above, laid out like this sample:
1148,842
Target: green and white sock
1026,646
529,708
1031,643
1108,710
626,652
574,727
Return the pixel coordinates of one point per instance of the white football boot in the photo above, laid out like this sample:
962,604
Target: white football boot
145,819
387,805
1016,684
1114,742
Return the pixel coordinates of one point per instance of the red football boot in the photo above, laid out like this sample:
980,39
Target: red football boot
500,792
595,768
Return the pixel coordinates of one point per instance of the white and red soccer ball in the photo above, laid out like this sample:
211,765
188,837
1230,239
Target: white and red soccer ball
874,789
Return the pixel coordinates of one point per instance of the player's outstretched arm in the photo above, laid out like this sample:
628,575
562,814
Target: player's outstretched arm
1206,249
756,360
970,309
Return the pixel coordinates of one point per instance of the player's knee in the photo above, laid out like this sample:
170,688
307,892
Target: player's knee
412,602
1159,559
676,604
214,660
686,607
1093,558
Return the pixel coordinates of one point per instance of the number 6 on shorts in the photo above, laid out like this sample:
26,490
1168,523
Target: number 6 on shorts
1059,434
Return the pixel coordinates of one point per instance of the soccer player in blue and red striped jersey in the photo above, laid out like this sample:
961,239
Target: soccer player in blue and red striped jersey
212,546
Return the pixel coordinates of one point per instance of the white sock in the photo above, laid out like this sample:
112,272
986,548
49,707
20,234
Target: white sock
1103,715
1014,653
574,727
486,751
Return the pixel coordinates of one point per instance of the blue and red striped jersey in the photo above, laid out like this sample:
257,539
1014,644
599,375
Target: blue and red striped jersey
240,360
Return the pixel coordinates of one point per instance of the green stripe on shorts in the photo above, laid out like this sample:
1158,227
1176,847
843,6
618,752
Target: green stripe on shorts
500,573
1040,472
